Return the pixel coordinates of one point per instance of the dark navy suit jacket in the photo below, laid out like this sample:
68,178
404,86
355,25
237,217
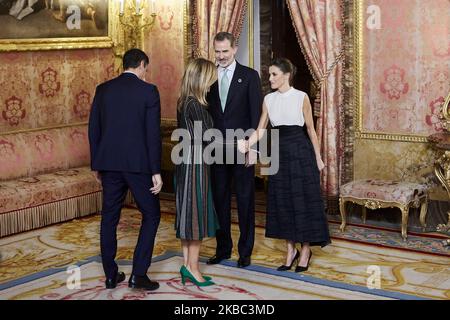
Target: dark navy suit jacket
244,101
124,126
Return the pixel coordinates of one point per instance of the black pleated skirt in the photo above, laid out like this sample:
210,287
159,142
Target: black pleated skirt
295,208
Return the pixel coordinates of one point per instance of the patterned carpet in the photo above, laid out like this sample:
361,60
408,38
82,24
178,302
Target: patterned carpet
252,283
377,236
404,274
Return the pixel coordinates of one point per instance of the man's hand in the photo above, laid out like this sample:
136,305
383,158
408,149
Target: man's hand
251,158
98,177
157,184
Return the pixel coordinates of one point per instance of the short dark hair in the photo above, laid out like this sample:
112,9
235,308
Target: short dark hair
133,57
221,36
286,66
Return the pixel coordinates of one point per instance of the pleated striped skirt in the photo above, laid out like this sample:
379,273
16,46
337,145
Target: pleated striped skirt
196,217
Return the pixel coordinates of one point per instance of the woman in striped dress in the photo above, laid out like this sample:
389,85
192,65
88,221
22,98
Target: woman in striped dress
195,214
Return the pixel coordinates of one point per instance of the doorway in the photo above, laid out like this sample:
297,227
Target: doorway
278,39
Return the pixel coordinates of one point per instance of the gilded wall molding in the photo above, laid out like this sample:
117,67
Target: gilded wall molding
55,44
187,25
251,35
69,125
445,114
349,89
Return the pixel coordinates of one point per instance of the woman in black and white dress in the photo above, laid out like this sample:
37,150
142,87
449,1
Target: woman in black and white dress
295,209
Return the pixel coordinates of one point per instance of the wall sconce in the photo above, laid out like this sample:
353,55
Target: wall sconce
133,22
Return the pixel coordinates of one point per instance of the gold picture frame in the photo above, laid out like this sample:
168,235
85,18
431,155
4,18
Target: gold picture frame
358,11
37,44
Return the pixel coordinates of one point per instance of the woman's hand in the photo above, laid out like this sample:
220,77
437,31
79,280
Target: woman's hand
320,164
242,146
251,158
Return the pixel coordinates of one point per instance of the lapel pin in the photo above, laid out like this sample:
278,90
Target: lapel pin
239,80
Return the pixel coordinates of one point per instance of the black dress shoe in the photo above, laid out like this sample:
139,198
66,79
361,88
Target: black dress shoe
285,268
243,262
111,283
217,259
142,282
302,269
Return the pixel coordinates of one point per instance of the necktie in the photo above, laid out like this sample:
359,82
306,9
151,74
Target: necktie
224,86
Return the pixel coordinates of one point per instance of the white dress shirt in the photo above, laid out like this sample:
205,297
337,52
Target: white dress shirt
126,71
230,72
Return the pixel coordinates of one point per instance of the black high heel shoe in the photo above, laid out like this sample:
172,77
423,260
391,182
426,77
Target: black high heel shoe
284,268
300,268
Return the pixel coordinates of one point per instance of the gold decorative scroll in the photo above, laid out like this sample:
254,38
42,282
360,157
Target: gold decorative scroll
445,114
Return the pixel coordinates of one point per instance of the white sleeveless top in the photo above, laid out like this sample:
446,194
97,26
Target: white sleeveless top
285,108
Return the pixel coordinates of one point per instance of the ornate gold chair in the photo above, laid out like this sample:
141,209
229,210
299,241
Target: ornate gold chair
376,194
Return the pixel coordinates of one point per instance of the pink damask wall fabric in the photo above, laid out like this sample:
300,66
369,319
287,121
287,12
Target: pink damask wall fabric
45,90
48,88
165,44
318,24
165,47
36,152
406,66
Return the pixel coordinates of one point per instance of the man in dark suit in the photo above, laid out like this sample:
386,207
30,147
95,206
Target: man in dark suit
235,102
125,145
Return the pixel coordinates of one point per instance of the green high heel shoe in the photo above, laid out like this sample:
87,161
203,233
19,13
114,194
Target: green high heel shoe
204,277
186,274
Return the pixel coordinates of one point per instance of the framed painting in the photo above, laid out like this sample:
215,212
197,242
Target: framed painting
55,24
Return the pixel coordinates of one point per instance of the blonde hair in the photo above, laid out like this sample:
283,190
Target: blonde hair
199,75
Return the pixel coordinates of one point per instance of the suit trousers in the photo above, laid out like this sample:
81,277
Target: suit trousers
244,178
115,187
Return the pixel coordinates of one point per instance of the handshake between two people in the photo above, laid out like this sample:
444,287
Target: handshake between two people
252,154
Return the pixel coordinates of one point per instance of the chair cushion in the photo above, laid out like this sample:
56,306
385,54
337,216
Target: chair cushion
46,188
383,190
